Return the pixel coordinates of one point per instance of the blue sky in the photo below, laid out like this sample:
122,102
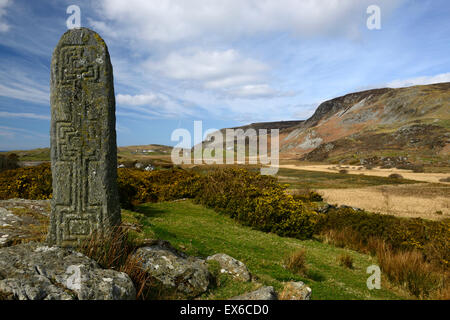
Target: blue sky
224,62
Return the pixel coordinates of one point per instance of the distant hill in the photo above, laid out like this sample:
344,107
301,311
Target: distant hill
126,153
407,124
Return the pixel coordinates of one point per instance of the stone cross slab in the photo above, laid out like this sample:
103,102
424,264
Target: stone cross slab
83,139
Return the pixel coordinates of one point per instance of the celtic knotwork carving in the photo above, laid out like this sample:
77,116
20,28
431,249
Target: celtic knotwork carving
77,64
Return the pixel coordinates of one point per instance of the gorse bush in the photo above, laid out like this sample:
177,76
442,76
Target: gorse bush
9,161
28,183
257,201
432,238
307,195
137,186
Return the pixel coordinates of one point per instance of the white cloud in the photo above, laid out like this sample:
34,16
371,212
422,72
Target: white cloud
226,72
13,132
4,27
443,77
137,100
151,105
215,69
179,20
260,91
18,84
5,114
24,92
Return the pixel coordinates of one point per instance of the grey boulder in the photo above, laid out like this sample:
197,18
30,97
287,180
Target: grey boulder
21,220
185,275
229,265
33,271
296,291
263,293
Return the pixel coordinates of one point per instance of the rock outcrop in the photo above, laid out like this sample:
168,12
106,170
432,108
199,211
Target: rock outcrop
231,266
296,291
263,293
33,271
186,276
22,219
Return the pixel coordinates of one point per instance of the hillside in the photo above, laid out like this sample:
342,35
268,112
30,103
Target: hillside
128,153
380,126
198,231
408,124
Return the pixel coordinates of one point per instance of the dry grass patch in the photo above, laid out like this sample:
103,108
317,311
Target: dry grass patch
375,171
428,201
344,238
114,250
296,262
346,260
410,270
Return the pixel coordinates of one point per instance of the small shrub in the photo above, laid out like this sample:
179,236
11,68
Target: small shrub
445,179
408,268
343,171
355,229
9,161
418,168
344,238
109,249
27,183
307,195
296,262
442,294
114,250
395,176
346,260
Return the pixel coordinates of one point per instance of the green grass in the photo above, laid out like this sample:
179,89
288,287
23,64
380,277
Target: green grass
201,232
302,179
42,154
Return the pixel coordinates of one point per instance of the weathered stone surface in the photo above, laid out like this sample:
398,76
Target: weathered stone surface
296,291
22,219
187,276
83,139
235,268
263,293
32,271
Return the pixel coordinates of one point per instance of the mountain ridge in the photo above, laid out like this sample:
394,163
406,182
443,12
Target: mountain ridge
410,122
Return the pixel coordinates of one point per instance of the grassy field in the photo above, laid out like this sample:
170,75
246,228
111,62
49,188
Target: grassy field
42,154
202,232
424,200
302,179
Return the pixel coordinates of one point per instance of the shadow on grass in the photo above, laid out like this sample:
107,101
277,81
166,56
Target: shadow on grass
149,211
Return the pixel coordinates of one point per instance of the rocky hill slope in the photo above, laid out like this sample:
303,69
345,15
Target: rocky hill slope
402,126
